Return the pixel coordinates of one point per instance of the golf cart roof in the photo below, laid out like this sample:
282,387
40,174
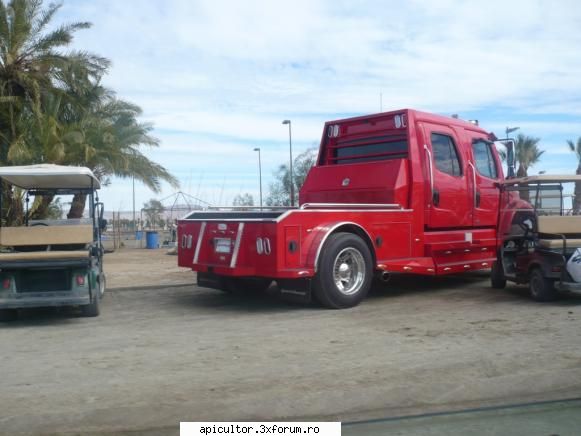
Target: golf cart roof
542,178
49,176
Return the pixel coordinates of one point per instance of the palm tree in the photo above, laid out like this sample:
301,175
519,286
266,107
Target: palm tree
31,60
33,65
576,148
54,110
527,153
112,138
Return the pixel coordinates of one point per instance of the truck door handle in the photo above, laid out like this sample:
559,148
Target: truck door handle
475,192
430,170
436,197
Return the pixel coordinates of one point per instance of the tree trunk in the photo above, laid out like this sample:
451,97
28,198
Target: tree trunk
577,198
77,206
39,209
522,172
12,208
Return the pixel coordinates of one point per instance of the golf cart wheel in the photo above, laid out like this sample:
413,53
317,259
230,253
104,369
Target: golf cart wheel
541,288
8,315
238,285
344,272
497,279
102,285
92,309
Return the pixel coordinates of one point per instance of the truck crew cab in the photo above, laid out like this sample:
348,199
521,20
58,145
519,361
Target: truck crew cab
396,192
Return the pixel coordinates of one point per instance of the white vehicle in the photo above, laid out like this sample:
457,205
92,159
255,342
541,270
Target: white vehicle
56,262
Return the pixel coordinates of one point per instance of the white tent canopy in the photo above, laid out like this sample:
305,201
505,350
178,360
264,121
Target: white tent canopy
49,176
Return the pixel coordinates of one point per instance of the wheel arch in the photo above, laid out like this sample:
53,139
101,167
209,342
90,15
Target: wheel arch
346,227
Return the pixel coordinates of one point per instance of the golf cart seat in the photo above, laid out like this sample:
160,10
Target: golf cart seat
45,235
551,228
45,255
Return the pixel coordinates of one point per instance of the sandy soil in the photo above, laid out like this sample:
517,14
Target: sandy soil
159,356
138,268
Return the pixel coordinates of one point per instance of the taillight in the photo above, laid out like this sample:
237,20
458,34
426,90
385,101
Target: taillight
6,283
80,280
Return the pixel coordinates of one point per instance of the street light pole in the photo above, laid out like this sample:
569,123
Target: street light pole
134,226
509,130
290,147
259,174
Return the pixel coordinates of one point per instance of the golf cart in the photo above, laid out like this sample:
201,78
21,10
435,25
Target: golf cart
51,262
540,233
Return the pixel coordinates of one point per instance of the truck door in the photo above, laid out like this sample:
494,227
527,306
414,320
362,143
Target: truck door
449,200
485,173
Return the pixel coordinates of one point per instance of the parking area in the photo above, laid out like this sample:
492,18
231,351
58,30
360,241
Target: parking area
165,351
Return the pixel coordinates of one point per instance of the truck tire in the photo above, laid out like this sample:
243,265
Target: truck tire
344,272
542,289
497,279
8,315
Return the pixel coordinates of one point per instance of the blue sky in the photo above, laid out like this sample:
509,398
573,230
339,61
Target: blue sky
217,77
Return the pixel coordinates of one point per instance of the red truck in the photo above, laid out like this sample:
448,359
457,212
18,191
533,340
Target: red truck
396,192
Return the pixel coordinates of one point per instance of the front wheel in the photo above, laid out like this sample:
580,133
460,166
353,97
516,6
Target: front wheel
542,289
344,272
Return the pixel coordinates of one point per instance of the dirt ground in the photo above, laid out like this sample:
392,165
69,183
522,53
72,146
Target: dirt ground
158,356
139,268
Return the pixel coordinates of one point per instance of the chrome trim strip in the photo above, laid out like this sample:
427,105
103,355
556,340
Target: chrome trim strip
329,232
287,213
431,169
237,245
199,243
350,205
283,216
251,208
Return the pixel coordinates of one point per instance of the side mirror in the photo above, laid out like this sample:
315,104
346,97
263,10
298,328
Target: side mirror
102,224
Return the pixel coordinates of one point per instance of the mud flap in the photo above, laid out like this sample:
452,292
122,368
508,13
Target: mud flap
295,290
209,280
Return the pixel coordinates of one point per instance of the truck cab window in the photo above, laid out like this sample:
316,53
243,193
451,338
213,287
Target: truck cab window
484,160
445,154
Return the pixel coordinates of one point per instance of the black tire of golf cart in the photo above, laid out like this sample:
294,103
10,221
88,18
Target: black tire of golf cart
7,315
92,309
242,285
541,288
324,287
497,280
102,285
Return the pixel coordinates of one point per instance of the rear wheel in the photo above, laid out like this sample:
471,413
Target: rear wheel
92,309
344,272
542,288
8,314
102,285
497,279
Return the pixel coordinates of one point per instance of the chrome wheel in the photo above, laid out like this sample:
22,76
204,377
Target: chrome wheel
349,271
